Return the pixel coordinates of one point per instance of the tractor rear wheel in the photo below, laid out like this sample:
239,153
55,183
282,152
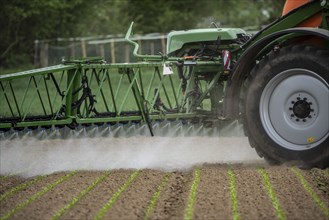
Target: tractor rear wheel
287,107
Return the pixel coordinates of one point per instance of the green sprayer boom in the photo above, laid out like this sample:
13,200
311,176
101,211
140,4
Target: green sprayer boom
92,92
275,83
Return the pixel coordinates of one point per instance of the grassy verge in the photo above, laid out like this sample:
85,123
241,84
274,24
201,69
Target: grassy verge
24,67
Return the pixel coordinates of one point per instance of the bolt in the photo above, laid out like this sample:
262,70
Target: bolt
297,119
292,102
310,116
292,115
304,120
312,110
310,103
290,109
298,98
305,99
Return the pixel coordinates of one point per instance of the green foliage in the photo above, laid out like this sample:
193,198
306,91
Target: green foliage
25,21
163,16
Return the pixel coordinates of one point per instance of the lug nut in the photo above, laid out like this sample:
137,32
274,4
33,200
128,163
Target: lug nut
292,115
304,120
310,116
298,98
292,102
312,110
310,103
290,109
305,99
297,119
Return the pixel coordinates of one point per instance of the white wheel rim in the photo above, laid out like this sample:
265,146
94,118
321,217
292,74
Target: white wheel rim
294,109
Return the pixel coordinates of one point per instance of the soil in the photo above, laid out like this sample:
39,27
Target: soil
212,201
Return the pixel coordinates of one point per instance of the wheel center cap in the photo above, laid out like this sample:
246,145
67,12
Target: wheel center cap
302,109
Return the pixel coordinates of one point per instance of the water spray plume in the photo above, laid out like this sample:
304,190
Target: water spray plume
176,146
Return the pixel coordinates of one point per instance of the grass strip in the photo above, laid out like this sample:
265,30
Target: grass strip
4,177
271,193
20,187
191,200
37,195
80,196
115,197
234,199
309,189
156,196
326,172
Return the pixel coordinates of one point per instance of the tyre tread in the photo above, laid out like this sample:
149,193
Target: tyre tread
269,60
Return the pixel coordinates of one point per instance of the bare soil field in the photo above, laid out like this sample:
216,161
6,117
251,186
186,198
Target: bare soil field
208,191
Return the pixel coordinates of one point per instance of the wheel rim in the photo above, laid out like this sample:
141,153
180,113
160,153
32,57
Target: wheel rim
294,109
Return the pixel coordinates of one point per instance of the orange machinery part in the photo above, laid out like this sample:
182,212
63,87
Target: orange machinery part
314,21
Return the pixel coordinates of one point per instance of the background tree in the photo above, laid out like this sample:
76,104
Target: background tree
164,16
25,21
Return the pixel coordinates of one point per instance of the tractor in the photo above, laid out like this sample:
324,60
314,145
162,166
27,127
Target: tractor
275,82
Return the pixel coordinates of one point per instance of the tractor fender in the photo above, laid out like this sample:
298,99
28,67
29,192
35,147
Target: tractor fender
247,61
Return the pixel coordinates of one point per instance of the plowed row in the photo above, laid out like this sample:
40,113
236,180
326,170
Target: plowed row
206,192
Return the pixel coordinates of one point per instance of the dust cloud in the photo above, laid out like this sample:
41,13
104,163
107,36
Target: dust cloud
29,156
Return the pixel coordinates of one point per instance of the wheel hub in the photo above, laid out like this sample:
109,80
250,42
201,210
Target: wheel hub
301,109
293,109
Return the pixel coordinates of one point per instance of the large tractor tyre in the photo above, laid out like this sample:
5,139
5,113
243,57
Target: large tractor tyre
286,111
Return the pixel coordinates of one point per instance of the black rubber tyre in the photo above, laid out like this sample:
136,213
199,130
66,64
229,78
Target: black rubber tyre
287,107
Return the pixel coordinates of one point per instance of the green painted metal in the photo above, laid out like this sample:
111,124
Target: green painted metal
35,72
34,124
138,95
90,91
137,118
177,39
93,93
136,47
